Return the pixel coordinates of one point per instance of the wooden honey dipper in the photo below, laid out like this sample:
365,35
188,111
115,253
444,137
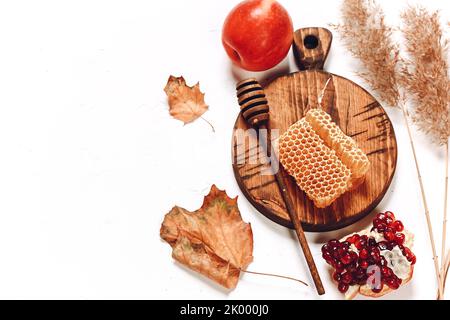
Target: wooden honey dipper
255,111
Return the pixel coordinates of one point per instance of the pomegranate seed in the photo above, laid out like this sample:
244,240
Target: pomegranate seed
360,273
383,262
360,244
412,258
346,278
378,222
381,216
346,259
364,254
327,257
342,252
389,236
364,264
390,215
354,256
334,242
398,226
379,289
386,272
337,276
392,283
325,248
375,255
406,252
343,287
400,238
351,268
339,266
371,242
336,254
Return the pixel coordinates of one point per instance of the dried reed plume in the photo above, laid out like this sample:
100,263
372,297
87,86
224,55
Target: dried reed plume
369,39
427,81
425,76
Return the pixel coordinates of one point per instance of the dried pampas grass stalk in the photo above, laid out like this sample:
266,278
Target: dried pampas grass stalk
426,79
369,39
425,75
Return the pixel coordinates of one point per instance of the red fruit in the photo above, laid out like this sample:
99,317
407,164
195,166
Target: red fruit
354,256
257,34
389,236
359,244
375,255
378,223
386,271
334,243
346,259
339,266
390,215
343,287
337,276
392,283
381,216
325,248
364,254
346,278
327,257
378,289
364,264
398,226
400,238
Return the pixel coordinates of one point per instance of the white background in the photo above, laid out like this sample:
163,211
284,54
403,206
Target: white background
91,161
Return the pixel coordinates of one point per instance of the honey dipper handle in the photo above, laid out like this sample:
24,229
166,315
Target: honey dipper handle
255,111
296,222
311,47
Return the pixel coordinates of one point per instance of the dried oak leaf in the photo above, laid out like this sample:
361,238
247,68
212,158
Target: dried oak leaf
213,240
186,103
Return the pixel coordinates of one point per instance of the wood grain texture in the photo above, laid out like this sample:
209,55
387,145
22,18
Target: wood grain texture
311,47
357,113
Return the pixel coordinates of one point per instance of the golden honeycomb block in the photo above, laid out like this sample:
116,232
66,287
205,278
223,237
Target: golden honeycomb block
323,160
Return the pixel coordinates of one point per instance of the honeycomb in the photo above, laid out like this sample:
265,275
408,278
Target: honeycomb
315,167
323,160
346,148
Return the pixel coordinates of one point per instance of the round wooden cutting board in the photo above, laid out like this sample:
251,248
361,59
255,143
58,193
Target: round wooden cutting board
356,112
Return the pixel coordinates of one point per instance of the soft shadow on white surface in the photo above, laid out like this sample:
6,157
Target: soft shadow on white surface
263,77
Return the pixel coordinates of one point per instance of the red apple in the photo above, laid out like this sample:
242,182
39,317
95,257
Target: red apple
257,34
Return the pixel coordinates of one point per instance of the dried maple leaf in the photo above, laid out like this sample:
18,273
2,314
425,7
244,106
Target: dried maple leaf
186,103
213,240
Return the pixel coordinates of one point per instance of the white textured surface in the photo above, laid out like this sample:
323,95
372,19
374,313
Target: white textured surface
91,160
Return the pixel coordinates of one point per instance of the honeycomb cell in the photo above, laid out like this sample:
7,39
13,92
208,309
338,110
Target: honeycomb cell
314,164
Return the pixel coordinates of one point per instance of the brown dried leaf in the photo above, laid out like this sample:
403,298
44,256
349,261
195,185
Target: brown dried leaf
213,240
186,103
